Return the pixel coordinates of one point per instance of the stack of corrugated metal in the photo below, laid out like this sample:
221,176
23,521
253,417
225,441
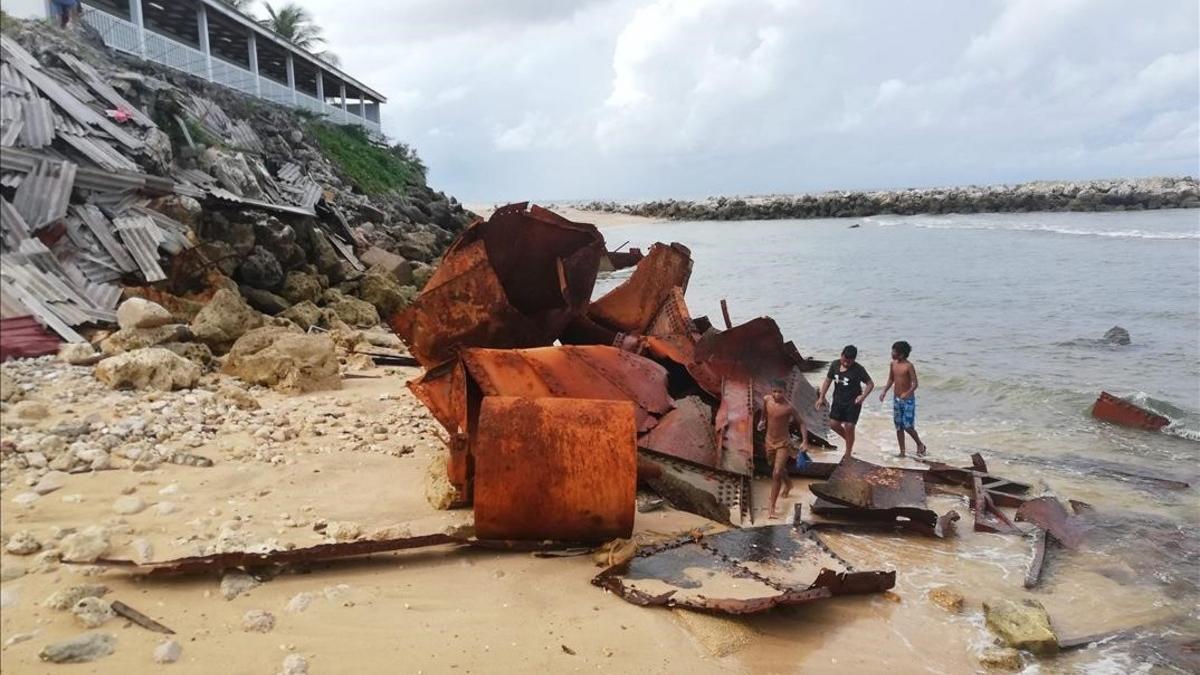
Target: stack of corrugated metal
74,220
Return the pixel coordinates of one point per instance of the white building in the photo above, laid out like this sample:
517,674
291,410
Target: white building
211,40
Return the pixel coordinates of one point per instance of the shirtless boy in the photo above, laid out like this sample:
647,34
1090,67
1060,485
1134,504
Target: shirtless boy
904,399
851,386
777,418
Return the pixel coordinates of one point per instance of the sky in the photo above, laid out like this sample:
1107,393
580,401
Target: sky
508,100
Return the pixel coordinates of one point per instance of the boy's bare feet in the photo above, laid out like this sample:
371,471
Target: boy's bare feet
902,454
921,450
787,490
772,515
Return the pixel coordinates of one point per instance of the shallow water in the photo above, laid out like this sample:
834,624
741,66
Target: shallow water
1005,312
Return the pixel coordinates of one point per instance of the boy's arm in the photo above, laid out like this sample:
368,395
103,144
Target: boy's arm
869,387
891,378
914,378
821,395
762,420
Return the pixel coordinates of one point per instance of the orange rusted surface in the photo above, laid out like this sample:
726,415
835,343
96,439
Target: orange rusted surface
687,432
555,468
592,372
516,280
443,391
1119,411
673,335
632,306
756,351
734,427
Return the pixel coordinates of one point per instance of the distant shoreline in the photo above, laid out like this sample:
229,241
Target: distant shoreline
1142,194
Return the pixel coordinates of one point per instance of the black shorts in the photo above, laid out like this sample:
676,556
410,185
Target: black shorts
845,412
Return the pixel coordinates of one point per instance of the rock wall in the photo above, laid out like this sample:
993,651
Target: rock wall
1100,195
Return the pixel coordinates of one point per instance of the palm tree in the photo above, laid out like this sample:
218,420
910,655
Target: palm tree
294,23
242,6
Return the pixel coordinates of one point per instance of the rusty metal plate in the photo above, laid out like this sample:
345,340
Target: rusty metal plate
741,571
687,432
583,372
554,468
714,494
735,420
672,335
1119,411
1049,514
632,306
887,490
516,280
756,351
443,391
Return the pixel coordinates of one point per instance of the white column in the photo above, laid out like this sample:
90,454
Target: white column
343,102
291,72
321,89
135,15
253,45
202,25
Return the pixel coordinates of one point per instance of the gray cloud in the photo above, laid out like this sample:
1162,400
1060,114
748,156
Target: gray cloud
632,99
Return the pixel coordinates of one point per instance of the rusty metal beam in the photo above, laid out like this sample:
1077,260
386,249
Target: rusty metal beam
1033,575
632,306
1049,514
1119,411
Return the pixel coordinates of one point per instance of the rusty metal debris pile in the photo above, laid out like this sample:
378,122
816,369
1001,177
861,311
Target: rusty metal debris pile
507,324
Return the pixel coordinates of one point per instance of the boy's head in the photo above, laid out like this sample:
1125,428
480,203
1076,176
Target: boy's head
778,389
901,350
849,354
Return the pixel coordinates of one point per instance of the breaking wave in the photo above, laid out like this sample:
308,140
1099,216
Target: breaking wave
1074,231
1184,423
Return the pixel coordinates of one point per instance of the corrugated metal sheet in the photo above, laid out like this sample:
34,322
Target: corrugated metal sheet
224,195
138,235
23,337
12,131
12,223
109,181
174,237
12,83
289,172
41,311
102,229
346,250
43,196
100,152
38,123
66,100
97,84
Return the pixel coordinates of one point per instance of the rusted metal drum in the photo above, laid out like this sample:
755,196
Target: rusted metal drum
555,468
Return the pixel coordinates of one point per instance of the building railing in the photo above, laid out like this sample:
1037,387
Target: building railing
123,36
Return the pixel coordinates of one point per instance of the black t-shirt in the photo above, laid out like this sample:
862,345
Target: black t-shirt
847,385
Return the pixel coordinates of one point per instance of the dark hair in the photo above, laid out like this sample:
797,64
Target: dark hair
902,348
781,385
850,352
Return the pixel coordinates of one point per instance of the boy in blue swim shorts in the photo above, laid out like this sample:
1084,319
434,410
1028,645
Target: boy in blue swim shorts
903,374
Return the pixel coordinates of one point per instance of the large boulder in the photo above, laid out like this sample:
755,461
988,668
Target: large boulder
260,269
390,262
10,391
422,273
77,353
280,239
1117,336
141,313
327,260
355,312
223,320
180,207
222,255
303,314
380,288
1021,625
129,339
284,359
300,287
150,368
196,352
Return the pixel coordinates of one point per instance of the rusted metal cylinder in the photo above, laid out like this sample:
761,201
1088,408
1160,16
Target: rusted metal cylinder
555,468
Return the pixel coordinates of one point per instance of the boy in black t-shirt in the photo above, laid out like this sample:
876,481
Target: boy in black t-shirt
851,385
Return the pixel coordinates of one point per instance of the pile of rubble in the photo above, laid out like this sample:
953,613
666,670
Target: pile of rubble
105,194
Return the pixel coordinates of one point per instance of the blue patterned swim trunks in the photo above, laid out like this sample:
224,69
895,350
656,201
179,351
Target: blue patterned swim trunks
904,412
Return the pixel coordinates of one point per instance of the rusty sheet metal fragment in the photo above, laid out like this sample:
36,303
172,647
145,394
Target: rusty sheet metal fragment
583,372
711,493
735,419
1119,411
687,432
673,335
756,351
1033,575
554,468
632,306
1049,514
876,492
140,619
516,280
989,518
840,517
742,571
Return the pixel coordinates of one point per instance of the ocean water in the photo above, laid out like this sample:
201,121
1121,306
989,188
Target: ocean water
1005,313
